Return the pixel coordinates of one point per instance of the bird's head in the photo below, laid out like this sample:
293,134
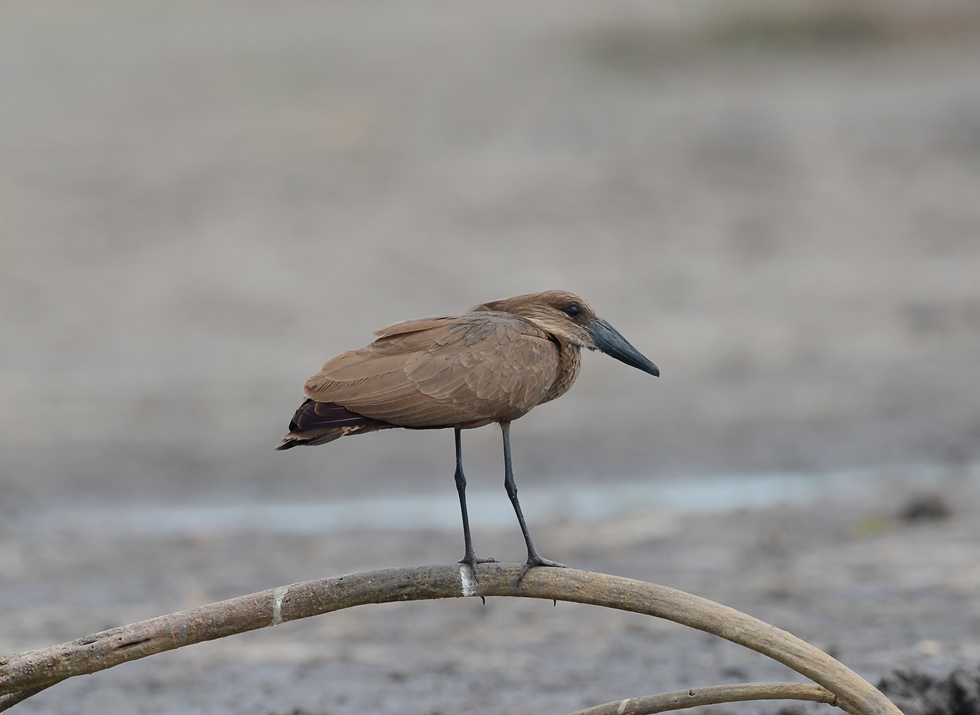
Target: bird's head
572,322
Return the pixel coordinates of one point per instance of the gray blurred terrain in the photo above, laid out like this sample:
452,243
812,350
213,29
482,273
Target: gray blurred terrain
200,202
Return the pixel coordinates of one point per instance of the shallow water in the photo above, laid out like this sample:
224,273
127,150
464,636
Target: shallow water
491,508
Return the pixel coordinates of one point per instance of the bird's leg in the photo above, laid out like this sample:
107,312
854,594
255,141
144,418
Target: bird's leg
470,556
533,557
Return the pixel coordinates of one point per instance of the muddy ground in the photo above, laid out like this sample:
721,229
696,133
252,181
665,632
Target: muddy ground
876,590
202,201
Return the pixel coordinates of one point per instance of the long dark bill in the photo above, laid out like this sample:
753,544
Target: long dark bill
609,341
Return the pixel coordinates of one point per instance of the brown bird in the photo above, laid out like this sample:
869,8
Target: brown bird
492,364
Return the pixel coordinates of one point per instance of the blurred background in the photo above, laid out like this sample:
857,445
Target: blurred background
200,202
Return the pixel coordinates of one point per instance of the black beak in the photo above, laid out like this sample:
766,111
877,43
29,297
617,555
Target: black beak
609,341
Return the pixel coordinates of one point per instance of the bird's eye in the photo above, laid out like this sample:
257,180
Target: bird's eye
573,310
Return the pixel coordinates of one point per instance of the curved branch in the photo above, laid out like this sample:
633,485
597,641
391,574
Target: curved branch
680,699
302,600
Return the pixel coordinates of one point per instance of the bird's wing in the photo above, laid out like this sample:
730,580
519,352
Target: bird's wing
441,372
411,326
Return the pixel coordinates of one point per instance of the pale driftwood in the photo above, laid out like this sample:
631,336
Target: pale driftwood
680,699
41,668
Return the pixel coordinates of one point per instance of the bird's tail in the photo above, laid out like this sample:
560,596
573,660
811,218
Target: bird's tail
322,422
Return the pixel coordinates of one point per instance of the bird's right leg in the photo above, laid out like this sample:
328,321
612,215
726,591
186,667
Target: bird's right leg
533,557
470,556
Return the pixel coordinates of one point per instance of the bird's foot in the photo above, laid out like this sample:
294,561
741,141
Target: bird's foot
536,559
471,560
533,561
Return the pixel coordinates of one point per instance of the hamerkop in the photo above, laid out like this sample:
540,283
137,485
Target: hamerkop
492,364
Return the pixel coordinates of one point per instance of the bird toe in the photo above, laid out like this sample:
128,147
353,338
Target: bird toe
472,560
541,561
534,561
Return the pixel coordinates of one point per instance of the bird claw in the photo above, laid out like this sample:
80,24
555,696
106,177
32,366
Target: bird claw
541,561
535,560
471,560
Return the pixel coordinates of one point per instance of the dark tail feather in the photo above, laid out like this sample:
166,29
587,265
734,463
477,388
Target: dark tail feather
322,422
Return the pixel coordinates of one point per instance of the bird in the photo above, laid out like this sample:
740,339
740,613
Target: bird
493,363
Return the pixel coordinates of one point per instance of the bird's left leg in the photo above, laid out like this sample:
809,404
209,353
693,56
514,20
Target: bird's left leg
533,557
470,556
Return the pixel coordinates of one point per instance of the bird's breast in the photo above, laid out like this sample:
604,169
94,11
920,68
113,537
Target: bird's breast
569,366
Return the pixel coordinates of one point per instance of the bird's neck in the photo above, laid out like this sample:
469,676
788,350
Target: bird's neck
569,364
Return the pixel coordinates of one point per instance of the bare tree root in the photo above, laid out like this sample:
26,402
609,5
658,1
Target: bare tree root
35,670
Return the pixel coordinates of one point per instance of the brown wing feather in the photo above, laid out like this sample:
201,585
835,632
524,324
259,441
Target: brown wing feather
410,326
441,372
